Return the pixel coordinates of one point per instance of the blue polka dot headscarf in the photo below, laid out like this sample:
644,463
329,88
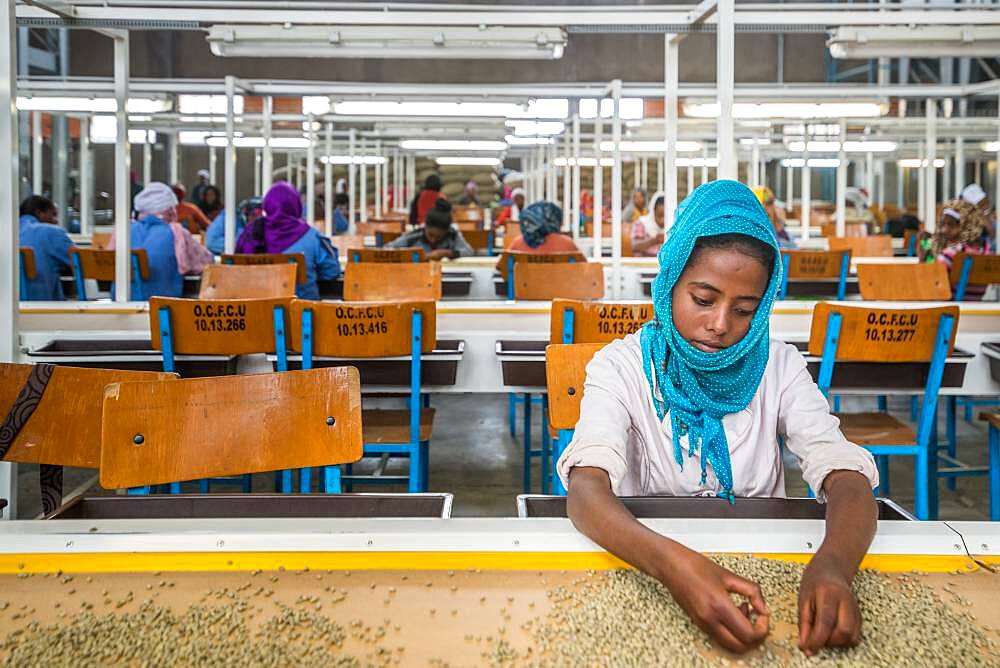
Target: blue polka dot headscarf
696,388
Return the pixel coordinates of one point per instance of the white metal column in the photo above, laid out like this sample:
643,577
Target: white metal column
384,183
230,167
959,167
704,163
37,145
86,180
575,213
725,84
258,163
921,188
841,219
351,190
597,224
690,176
806,206
567,177
616,189
174,159
311,173
754,175
123,163
671,82
147,159
870,175
267,159
328,191
900,182
789,187
378,179
363,201
880,165
9,196
551,174
213,160
930,188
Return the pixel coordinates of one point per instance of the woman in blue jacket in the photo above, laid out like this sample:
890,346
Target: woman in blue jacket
215,236
40,231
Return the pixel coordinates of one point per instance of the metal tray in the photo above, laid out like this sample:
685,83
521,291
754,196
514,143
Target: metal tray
992,351
205,506
438,367
456,284
892,375
538,505
522,363
128,355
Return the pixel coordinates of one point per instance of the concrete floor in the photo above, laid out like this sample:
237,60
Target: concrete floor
473,456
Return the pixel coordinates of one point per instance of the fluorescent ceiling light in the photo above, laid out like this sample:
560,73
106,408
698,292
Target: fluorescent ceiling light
108,105
804,110
258,142
629,108
514,140
306,41
651,146
869,146
469,160
104,130
451,145
192,138
755,141
918,162
208,104
317,105
813,162
814,129
346,159
584,162
535,128
916,41
548,109
991,146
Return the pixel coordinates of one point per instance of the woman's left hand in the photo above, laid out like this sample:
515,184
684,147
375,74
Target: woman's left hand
828,612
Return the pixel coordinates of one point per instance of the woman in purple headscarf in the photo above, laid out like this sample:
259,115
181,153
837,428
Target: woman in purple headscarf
282,230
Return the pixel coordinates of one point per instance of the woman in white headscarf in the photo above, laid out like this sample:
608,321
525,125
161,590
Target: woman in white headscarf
648,230
512,212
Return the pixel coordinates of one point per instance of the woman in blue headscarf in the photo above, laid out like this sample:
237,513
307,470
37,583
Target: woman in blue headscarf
693,405
540,231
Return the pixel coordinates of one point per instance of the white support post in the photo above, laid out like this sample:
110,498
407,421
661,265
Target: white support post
900,192
10,276
213,160
37,149
930,188
659,174
363,201
959,167
806,207
230,167
880,165
636,172
754,175
267,159
725,84
311,173
378,179
921,190
567,177
671,83
597,224
704,164
384,190
841,220
575,213
86,180
789,187
645,174
123,163
351,190
289,168
258,162
870,175
174,159
551,174
328,195
690,177
616,190
147,160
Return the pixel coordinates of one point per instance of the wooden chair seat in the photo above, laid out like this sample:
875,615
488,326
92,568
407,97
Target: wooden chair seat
393,426
876,429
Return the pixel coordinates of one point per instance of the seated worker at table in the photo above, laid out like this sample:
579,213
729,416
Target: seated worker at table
341,205
40,231
215,236
210,202
438,237
648,231
636,208
424,200
282,230
541,223
959,230
693,405
171,250
189,215
511,212
766,198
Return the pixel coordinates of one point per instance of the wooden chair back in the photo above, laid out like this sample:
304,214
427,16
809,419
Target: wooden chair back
852,229
510,235
536,258
364,329
904,282
879,245
596,322
468,214
65,427
870,334
383,238
985,269
380,282
572,280
100,264
369,229
344,242
465,226
100,240
271,258
28,265
565,374
260,281
155,433
386,255
480,240
217,326
803,264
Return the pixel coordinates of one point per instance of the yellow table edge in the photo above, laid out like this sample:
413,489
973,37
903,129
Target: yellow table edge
120,562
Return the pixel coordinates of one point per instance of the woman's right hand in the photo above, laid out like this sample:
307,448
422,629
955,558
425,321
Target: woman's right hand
702,588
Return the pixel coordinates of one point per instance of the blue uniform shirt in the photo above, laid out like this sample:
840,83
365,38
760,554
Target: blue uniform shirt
156,237
339,221
215,235
321,262
51,247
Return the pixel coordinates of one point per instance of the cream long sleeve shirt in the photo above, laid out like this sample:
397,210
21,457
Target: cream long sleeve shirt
619,432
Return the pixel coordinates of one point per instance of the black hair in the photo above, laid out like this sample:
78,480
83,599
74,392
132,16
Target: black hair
35,205
433,182
659,201
752,247
341,199
440,215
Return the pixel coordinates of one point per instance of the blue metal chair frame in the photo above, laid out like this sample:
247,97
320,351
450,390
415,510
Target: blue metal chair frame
845,265
911,247
24,276
415,449
356,256
993,442
925,448
167,347
138,294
